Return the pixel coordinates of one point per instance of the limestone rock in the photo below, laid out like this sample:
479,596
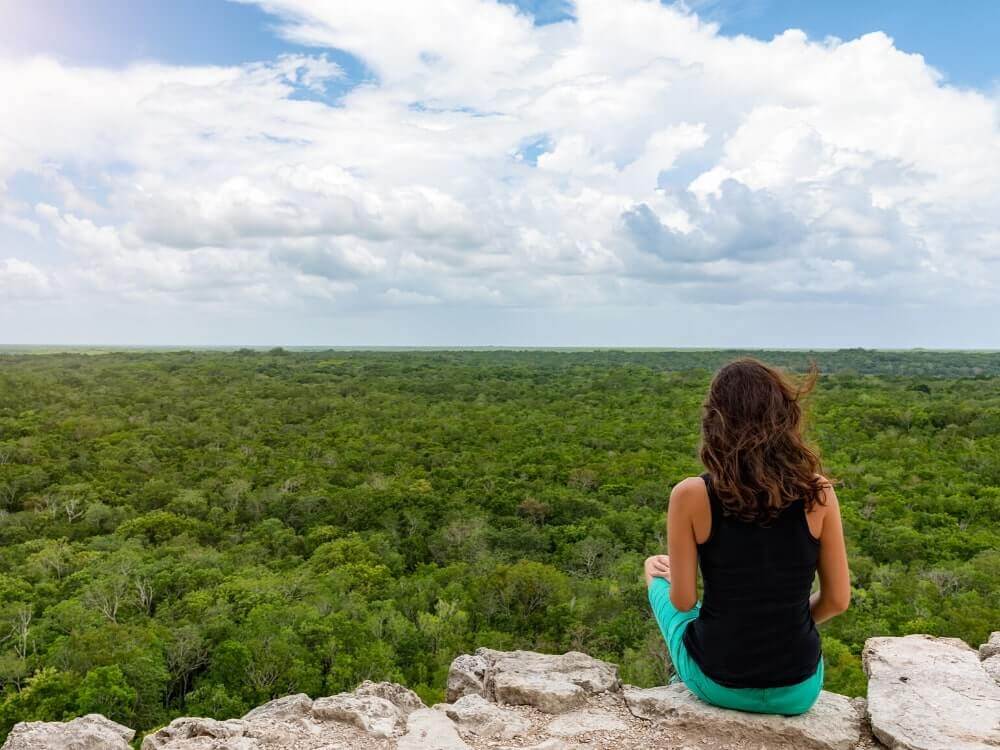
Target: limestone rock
466,676
991,647
378,708
474,715
373,714
927,693
992,667
186,728
287,708
402,698
831,724
552,695
427,729
583,722
553,683
90,732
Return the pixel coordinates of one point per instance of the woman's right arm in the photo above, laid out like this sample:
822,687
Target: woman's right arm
834,593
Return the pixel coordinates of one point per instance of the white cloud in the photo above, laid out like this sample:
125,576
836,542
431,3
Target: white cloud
20,279
674,163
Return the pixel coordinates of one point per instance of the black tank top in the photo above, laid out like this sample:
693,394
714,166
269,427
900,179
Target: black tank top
755,628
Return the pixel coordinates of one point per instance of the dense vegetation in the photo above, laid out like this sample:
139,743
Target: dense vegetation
198,532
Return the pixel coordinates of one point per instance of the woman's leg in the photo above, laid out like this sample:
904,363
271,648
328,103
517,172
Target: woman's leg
788,701
796,699
672,624
791,700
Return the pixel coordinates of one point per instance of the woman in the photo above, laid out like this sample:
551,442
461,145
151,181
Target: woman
760,522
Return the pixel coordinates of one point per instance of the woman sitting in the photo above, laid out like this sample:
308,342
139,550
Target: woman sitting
760,522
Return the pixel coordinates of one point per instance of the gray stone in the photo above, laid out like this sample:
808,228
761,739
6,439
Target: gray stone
474,715
401,697
286,708
831,724
991,647
187,728
553,743
584,722
992,667
549,694
466,675
554,683
427,729
927,693
90,732
373,714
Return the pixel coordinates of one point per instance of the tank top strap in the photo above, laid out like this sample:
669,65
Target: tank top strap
715,504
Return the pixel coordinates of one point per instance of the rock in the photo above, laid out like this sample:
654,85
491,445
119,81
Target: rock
402,698
287,708
379,708
90,732
552,695
550,744
831,724
186,728
992,667
552,683
860,706
582,722
466,676
373,714
927,693
991,647
427,729
474,715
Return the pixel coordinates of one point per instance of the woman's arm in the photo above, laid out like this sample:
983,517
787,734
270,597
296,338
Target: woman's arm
834,593
682,545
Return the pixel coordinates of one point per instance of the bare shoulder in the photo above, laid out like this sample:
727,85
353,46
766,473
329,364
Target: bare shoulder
829,494
829,509
689,494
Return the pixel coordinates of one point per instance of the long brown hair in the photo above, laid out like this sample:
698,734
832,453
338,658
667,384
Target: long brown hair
752,443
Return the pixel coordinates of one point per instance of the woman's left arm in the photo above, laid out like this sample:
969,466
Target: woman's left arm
682,545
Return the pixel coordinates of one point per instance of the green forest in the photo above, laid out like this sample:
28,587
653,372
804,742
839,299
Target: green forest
197,532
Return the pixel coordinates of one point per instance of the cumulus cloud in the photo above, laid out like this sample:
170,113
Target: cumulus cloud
625,154
22,279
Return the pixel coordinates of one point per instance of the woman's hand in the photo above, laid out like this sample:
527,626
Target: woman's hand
657,566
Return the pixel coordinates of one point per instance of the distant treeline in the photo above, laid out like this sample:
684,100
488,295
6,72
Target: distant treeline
933,363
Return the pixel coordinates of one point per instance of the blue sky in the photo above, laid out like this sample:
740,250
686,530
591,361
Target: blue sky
959,39
583,173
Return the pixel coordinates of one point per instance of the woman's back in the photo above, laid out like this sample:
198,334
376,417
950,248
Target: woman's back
755,628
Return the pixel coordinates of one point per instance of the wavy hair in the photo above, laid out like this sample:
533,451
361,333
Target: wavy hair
752,443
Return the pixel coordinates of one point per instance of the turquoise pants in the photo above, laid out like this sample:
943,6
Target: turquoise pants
789,700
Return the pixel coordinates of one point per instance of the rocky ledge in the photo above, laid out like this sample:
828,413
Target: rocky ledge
925,693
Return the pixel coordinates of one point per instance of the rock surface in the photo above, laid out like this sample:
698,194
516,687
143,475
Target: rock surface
991,647
90,732
521,700
992,667
476,716
585,722
363,719
989,652
552,683
427,729
927,693
831,724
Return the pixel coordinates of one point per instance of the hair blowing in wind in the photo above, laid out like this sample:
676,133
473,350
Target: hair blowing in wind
752,442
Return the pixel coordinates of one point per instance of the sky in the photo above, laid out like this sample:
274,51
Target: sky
731,173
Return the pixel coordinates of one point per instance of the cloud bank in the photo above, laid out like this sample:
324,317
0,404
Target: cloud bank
627,157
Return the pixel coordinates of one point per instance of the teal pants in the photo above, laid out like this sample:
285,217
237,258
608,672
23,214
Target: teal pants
789,701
